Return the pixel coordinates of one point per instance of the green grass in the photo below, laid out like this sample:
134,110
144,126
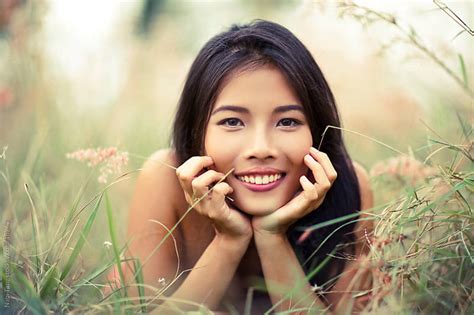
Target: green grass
423,236
54,258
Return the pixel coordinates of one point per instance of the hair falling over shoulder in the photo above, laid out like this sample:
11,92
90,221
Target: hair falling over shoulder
249,46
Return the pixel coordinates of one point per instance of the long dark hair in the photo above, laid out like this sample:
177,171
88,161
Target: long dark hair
250,46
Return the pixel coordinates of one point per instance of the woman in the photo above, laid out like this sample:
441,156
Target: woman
251,115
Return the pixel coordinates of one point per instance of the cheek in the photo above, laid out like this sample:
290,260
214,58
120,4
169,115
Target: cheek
221,148
297,146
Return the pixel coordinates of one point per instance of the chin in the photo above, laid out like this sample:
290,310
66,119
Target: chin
257,209
258,212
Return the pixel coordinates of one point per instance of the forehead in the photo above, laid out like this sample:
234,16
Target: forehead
265,86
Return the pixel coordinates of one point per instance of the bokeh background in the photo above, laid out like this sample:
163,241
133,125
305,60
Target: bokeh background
88,74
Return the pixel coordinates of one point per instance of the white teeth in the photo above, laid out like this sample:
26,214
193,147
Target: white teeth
259,180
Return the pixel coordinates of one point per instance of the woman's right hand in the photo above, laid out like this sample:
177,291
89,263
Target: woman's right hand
227,221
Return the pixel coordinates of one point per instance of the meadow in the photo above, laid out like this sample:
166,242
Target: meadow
71,149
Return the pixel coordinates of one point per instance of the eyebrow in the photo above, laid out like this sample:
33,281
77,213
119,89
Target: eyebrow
240,109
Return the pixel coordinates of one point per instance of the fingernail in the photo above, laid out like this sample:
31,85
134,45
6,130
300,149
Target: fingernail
314,150
304,179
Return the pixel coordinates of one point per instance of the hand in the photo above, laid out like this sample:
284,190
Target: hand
227,221
305,201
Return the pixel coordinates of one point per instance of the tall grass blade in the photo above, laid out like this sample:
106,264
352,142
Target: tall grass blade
140,281
113,238
100,270
80,242
463,69
49,283
35,231
27,293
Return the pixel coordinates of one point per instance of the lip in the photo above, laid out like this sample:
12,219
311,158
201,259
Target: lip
262,187
260,171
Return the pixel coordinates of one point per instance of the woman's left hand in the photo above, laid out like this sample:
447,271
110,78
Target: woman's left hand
305,201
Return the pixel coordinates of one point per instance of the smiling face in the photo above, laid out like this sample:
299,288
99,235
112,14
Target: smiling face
258,124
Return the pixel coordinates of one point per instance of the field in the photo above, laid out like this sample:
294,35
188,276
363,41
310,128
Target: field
403,80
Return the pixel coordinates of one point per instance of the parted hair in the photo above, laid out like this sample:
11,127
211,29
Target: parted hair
247,47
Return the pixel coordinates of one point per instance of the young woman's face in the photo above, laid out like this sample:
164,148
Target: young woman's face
258,127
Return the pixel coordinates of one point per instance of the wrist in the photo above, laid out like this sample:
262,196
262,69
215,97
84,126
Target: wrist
267,237
233,242
268,227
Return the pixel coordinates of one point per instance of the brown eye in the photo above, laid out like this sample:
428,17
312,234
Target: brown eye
289,122
230,122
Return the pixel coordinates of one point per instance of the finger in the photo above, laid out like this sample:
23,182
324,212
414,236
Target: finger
217,202
295,208
190,169
219,191
322,182
325,162
200,185
309,196
310,192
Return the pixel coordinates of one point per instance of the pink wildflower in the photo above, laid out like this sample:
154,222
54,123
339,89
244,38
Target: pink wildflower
110,159
404,166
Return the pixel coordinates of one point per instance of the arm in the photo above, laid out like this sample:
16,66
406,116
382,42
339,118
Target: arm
287,273
210,277
270,238
156,199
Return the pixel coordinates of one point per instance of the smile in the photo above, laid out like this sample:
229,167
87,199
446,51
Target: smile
261,182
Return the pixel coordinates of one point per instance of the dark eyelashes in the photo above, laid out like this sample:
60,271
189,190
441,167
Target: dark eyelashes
224,122
296,121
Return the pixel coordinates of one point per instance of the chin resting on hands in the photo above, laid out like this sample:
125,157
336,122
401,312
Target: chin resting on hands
307,200
209,200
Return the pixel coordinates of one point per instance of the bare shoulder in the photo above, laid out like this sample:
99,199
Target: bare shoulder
161,158
159,172
156,193
152,214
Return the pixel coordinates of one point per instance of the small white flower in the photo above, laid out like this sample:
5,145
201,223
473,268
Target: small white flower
4,155
107,244
316,288
162,282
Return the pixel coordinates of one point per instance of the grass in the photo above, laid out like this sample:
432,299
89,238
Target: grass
55,254
423,237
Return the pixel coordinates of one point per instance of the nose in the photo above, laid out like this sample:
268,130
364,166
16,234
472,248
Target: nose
260,145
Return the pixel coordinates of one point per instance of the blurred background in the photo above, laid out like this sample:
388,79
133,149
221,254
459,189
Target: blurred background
87,74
